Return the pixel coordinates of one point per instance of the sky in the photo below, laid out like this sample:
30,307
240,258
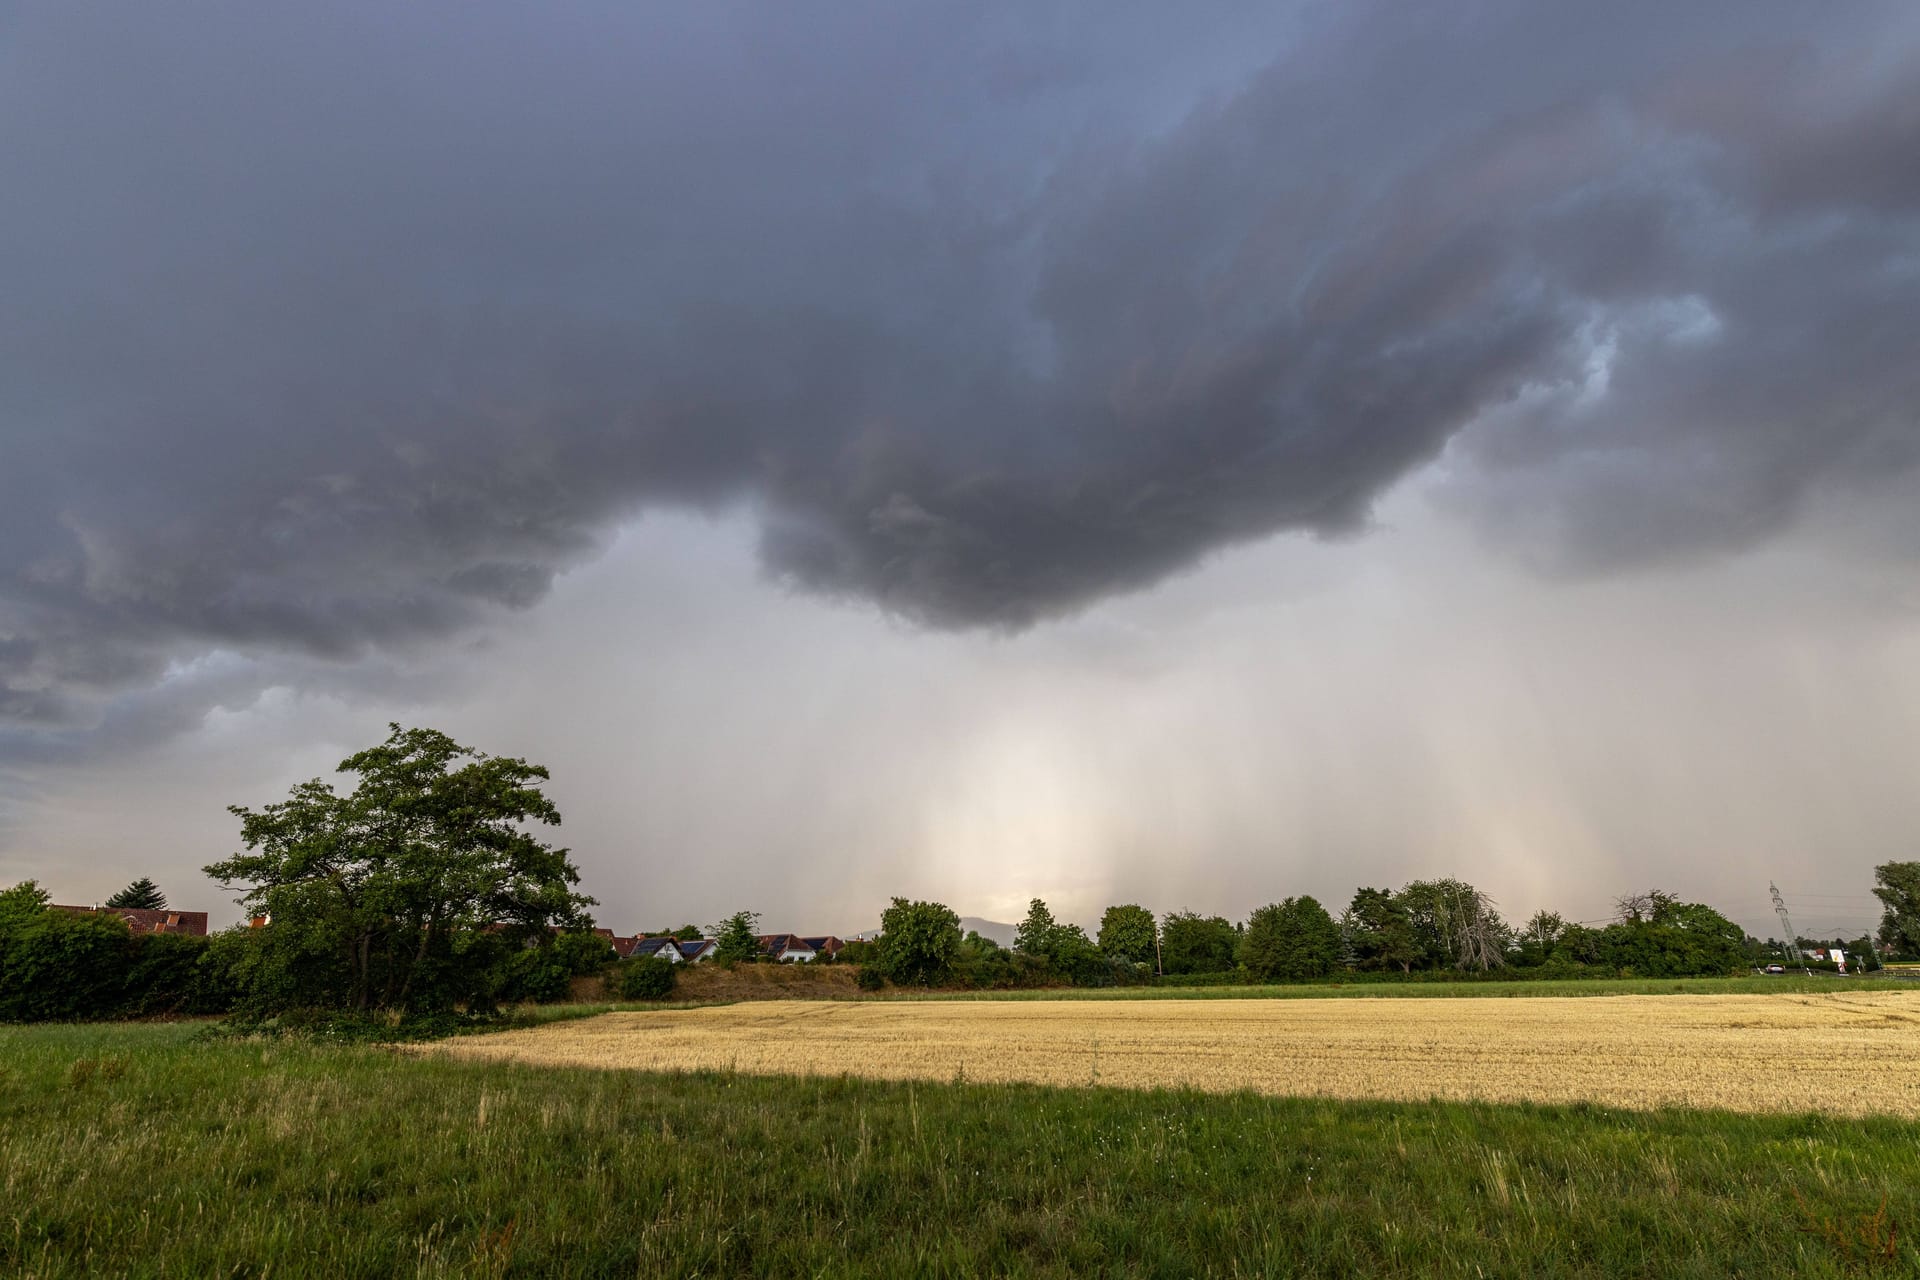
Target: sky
1100,452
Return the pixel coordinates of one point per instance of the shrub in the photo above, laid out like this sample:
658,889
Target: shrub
1003,970
538,975
647,978
869,978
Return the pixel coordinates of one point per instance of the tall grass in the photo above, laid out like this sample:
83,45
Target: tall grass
133,1150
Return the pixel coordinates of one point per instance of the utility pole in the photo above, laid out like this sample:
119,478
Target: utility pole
1780,909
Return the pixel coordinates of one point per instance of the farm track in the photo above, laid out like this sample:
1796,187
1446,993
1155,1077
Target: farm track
1851,1054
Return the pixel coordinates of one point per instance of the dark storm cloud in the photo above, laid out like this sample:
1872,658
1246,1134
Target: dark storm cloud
340,328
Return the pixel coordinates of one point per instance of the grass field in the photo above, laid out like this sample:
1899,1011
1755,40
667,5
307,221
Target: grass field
150,1150
1633,1051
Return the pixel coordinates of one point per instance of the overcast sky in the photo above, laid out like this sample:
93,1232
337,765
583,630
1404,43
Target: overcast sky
1103,452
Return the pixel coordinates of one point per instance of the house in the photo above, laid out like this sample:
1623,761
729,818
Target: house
666,948
676,950
142,920
787,948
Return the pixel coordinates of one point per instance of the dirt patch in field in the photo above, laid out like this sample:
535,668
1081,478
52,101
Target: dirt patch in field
743,982
766,982
1848,1054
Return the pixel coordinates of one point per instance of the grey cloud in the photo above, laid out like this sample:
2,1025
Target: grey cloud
342,329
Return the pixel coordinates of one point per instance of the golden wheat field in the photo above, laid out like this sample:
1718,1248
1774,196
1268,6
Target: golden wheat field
1851,1054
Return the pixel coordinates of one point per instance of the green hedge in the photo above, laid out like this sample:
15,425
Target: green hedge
57,966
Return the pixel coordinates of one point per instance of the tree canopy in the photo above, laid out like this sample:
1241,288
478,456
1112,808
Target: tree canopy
919,941
736,940
1289,940
1379,932
1191,943
143,894
1897,885
1657,936
1034,935
1129,932
400,892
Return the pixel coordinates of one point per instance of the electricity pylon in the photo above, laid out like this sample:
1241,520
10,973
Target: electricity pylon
1780,909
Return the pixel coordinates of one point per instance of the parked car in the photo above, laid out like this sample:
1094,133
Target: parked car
1776,968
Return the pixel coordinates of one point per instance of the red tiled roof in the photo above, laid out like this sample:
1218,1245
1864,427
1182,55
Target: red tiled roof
142,920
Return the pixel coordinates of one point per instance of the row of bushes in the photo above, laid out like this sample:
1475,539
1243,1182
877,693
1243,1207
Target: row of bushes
55,965
61,966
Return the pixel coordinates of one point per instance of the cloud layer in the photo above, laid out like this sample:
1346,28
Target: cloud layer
339,329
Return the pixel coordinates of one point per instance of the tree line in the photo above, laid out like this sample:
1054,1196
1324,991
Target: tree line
428,887
1426,927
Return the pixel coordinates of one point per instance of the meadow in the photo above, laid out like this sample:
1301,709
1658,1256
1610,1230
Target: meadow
157,1149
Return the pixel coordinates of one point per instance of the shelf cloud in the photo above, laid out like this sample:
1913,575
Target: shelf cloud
334,330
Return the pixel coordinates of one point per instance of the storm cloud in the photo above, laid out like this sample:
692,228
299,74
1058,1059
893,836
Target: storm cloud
330,331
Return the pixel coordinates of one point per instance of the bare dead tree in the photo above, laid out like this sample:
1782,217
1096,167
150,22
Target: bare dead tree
1633,907
1481,935
1652,905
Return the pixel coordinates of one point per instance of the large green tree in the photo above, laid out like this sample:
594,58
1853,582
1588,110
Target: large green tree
143,894
1543,932
1380,933
1290,940
1897,885
1193,943
1664,937
1656,936
919,942
398,892
1129,932
1034,935
1064,948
